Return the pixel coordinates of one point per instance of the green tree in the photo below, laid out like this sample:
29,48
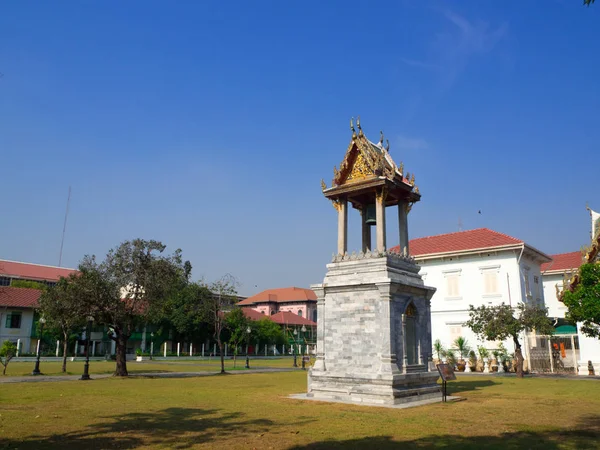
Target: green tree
238,324
583,302
222,299
7,352
130,287
185,312
499,323
268,332
63,308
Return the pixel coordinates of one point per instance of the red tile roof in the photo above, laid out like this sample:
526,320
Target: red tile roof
481,238
33,271
252,314
281,295
19,297
563,262
289,318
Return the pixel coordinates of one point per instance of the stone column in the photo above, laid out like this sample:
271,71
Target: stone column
404,353
380,218
403,209
342,208
388,358
320,358
366,231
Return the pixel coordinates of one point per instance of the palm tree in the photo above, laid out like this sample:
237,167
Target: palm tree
463,347
439,349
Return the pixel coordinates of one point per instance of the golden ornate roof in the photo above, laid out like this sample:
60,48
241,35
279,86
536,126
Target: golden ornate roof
366,162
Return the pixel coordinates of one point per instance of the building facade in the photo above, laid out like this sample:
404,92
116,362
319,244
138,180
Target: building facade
477,267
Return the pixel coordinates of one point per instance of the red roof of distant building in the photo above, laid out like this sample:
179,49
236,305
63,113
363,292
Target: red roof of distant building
481,238
563,262
252,314
281,295
19,297
33,271
289,318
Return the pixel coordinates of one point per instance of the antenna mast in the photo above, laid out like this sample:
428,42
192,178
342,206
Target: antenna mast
460,224
62,241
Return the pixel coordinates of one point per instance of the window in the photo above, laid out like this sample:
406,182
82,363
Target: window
300,312
314,315
453,285
13,320
527,285
455,332
4,281
490,282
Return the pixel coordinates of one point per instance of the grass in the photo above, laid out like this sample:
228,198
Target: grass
253,411
18,368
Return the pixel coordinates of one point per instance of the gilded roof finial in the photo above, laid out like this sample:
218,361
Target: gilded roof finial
387,145
381,139
412,180
401,168
323,185
352,126
358,125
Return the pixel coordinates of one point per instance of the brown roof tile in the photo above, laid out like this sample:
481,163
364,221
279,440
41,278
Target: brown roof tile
281,295
33,271
12,297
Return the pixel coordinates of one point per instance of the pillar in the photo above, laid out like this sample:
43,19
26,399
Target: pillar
342,208
388,359
404,352
93,348
57,348
403,209
380,217
366,230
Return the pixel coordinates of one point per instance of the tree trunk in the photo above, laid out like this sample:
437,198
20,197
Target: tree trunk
4,371
121,369
222,355
519,357
65,348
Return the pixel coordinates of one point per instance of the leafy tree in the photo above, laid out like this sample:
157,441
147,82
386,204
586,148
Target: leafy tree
238,324
499,323
268,332
462,346
63,308
185,311
7,352
583,302
130,287
214,306
28,284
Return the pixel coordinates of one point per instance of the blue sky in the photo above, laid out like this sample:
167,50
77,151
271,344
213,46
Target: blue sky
209,125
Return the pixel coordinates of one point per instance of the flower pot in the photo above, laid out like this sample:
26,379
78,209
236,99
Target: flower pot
460,366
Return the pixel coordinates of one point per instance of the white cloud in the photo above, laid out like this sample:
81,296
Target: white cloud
409,143
463,40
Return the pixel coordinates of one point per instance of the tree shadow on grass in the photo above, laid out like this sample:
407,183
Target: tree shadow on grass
461,385
176,428
586,435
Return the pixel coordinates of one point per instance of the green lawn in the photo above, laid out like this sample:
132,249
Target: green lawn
98,367
253,411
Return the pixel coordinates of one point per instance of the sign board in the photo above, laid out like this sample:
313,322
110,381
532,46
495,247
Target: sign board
446,372
306,358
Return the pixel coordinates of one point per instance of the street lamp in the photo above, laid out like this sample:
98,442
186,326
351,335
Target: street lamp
36,370
86,367
303,329
295,345
248,331
151,344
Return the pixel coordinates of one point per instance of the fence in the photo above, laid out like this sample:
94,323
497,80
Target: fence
553,354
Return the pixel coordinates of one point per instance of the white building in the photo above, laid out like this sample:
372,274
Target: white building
477,267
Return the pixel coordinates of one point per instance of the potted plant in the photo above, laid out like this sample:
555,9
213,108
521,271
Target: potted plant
138,354
483,355
450,358
463,348
439,351
472,361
